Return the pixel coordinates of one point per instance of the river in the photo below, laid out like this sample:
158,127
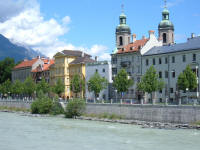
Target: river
19,132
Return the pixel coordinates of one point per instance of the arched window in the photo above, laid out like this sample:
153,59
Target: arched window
164,38
120,40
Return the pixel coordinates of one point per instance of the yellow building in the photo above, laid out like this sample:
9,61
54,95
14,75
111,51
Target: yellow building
68,63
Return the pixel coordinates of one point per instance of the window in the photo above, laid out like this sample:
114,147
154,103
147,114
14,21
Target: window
120,41
138,69
173,59
164,38
173,74
147,62
133,69
96,70
183,57
114,71
103,70
166,60
160,91
171,90
166,74
194,57
160,74
138,79
160,61
154,61
160,100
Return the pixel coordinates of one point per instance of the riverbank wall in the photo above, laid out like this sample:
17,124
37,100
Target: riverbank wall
151,113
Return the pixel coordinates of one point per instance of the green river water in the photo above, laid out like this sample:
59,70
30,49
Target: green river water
19,132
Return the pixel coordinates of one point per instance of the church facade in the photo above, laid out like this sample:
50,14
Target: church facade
169,59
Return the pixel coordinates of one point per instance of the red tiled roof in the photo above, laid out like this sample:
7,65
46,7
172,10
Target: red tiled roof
133,47
26,63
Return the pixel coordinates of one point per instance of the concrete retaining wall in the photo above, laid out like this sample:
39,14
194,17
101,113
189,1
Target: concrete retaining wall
155,113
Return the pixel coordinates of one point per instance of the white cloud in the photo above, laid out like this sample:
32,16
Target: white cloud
28,27
173,3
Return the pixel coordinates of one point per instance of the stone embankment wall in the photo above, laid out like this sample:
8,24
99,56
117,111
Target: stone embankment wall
16,104
154,113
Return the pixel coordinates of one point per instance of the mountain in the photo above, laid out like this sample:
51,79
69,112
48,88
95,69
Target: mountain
9,49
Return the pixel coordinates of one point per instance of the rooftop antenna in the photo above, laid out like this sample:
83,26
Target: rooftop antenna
122,8
165,1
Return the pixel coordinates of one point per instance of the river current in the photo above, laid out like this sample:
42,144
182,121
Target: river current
19,132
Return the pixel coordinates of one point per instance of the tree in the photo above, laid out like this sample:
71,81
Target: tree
5,88
29,86
182,82
17,87
59,87
150,82
43,86
121,81
77,84
191,78
96,84
6,67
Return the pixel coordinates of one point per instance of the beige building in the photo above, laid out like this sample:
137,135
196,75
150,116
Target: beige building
67,63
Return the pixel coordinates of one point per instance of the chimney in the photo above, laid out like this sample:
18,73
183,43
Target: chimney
151,33
134,37
25,59
95,58
143,37
38,57
192,35
82,54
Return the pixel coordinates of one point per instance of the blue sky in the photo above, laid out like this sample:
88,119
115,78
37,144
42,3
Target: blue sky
90,25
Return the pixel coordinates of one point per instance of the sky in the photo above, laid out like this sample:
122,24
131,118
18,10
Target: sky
50,26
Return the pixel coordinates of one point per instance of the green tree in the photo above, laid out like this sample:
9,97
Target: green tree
6,67
29,86
191,78
5,88
75,107
182,82
150,82
17,87
59,87
121,81
43,86
96,84
77,84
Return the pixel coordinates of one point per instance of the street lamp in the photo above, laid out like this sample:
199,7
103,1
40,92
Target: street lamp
116,95
197,82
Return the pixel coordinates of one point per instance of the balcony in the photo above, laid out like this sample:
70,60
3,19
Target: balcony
125,64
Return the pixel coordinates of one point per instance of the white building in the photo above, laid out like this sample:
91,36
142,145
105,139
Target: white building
170,61
104,70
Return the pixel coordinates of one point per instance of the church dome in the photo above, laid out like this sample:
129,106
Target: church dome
166,24
123,27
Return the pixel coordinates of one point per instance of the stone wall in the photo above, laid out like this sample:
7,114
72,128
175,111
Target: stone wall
155,113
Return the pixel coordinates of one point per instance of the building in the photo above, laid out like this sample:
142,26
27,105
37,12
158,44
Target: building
23,70
66,64
170,61
128,54
104,70
42,71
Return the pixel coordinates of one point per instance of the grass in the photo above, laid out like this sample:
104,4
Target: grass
196,123
14,109
105,116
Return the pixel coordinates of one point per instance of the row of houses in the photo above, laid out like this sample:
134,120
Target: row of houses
135,56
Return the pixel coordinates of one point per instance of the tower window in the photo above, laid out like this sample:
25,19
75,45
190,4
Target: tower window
164,38
120,40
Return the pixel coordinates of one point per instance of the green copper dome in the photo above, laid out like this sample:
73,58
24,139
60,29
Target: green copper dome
123,27
166,23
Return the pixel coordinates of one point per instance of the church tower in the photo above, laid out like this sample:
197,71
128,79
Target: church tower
166,28
123,32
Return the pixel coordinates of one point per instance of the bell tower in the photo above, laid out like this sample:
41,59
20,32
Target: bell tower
123,32
166,27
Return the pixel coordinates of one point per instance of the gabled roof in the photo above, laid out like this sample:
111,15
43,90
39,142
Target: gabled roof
191,44
74,53
26,63
82,60
133,47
